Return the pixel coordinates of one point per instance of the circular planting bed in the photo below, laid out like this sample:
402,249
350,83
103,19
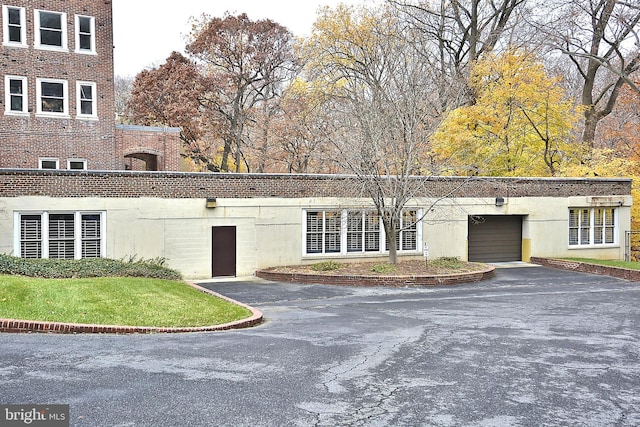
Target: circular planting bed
406,273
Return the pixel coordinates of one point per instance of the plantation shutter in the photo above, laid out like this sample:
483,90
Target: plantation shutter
91,236
31,236
61,236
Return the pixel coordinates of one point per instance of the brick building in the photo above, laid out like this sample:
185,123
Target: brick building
56,58
219,224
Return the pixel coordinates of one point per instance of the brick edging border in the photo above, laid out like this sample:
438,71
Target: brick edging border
23,326
369,281
584,267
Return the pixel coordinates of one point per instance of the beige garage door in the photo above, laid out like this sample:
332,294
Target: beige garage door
495,238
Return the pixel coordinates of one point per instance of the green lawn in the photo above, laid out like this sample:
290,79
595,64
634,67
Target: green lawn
122,301
611,263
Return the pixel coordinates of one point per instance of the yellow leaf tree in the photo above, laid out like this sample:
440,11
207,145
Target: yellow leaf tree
520,125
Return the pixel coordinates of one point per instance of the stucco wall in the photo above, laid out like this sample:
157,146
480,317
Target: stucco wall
269,230
165,214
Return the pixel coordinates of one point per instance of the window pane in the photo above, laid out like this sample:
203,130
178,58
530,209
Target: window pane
16,103
86,108
15,34
91,236
573,236
76,165
48,164
332,232
30,236
573,217
314,232
15,86
50,20
609,220
50,89
585,218
584,236
52,105
598,217
85,42
61,226
409,240
354,232
61,236
14,16
86,92
597,235
85,24
51,38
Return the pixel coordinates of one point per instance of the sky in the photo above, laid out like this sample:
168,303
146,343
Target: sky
145,32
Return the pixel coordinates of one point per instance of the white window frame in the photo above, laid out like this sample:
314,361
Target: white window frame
344,252
48,159
83,161
92,34
44,240
8,95
23,27
63,25
591,227
94,100
65,94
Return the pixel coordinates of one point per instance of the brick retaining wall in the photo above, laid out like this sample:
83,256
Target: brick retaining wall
583,267
369,281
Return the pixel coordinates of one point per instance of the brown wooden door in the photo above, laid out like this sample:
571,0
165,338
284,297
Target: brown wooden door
223,259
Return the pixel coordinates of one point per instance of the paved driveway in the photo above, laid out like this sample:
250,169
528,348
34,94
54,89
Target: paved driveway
531,347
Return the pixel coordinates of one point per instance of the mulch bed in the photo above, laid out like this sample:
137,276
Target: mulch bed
404,268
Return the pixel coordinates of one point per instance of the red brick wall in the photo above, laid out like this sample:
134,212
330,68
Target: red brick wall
162,143
25,139
369,281
16,183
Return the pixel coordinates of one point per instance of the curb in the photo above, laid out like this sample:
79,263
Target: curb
371,281
32,326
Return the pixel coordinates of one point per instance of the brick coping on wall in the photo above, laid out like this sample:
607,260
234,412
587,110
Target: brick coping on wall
585,267
370,281
22,326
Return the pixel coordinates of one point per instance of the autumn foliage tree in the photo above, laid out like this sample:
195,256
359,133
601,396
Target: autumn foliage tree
384,105
244,64
600,38
520,125
169,95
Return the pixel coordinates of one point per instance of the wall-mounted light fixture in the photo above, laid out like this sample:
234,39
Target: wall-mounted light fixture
211,202
499,201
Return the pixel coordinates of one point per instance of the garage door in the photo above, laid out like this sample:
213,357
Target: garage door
495,238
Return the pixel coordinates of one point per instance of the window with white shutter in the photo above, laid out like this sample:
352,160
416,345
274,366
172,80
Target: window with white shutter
63,235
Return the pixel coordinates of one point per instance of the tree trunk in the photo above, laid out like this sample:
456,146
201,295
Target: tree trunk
590,126
390,233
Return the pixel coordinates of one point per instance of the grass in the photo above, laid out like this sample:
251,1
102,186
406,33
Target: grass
326,266
631,265
123,301
384,268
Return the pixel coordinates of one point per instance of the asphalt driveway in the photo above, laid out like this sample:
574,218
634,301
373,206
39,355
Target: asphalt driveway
532,347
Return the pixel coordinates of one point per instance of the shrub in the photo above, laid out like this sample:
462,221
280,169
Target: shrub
384,268
326,266
447,262
90,267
